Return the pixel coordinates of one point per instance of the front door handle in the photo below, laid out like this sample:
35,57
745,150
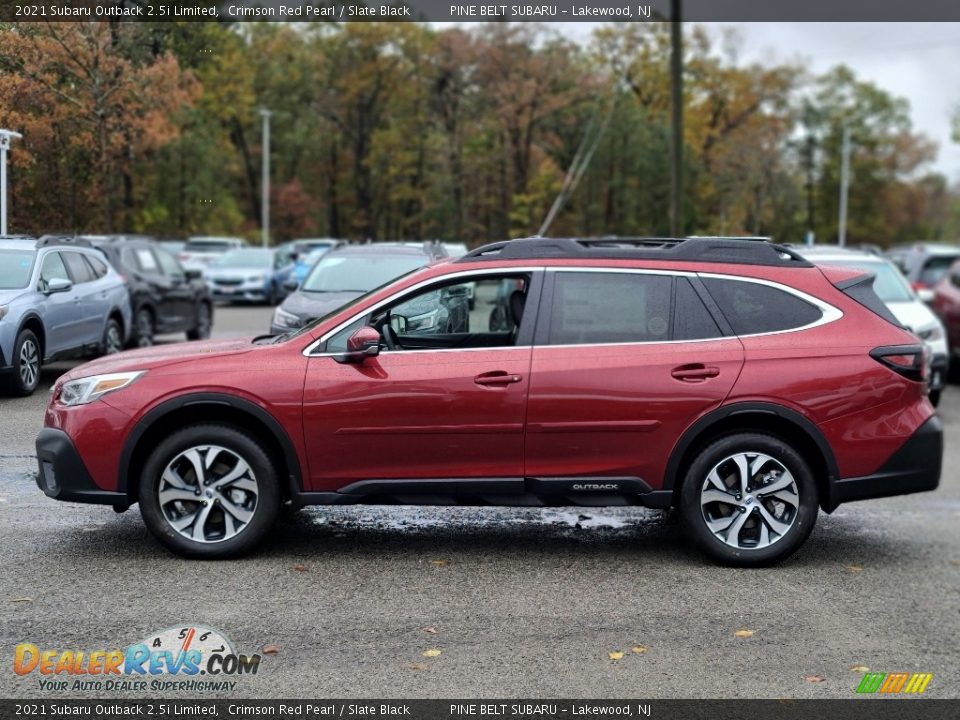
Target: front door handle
497,377
694,372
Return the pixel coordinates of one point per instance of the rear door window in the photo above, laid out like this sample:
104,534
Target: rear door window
609,307
80,269
752,308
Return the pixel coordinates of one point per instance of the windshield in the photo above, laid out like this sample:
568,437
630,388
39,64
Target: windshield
889,285
15,267
358,273
245,259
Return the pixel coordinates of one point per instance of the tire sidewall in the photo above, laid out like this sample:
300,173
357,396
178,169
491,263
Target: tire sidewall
776,448
252,452
104,344
138,327
16,382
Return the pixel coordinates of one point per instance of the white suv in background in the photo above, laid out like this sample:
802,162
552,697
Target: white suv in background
892,287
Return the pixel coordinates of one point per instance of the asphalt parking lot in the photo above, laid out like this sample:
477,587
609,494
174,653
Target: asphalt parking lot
519,602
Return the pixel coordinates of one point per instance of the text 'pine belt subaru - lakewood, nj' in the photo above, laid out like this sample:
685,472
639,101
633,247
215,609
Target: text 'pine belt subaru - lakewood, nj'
730,378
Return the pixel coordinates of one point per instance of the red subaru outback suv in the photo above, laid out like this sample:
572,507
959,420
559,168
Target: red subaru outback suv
729,378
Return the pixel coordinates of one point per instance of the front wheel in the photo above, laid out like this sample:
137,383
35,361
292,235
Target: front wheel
209,491
749,499
201,331
26,360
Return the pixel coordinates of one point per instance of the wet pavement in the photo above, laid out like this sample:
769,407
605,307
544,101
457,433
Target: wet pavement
520,602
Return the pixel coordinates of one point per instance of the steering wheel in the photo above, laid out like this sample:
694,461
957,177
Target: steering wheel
389,336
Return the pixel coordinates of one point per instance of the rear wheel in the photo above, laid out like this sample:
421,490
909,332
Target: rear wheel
26,360
112,341
209,491
749,499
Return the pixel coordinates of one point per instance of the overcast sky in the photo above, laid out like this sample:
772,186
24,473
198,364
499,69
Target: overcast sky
917,61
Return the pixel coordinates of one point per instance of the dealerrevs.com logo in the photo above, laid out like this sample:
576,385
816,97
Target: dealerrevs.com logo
190,659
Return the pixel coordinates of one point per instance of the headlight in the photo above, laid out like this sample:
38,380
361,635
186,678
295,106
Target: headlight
285,319
424,321
934,332
256,278
86,390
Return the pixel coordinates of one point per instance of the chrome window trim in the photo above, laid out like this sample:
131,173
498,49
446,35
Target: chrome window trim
829,313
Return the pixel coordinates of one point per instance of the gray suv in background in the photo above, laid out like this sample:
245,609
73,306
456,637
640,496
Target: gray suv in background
58,298
345,274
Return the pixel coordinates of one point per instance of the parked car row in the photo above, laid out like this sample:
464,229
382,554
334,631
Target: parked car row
81,296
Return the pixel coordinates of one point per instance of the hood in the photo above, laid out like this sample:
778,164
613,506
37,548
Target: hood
914,315
8,296
159,356
312,305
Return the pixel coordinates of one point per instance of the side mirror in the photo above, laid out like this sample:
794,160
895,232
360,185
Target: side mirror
57,285
193,274
290,285
364,343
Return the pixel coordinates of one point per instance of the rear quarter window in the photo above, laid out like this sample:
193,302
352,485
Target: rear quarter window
753,308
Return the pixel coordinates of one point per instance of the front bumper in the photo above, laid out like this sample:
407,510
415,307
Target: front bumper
63,476
915,467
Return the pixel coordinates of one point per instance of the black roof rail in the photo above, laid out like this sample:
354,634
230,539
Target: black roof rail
48,240
738,250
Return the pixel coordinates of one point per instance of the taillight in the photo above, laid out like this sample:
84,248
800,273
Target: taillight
907,360
918,286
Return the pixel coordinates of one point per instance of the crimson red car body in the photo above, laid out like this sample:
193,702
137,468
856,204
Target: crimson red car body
522,424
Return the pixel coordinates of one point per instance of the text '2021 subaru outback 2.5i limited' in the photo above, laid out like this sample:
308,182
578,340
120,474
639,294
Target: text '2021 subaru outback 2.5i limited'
729,378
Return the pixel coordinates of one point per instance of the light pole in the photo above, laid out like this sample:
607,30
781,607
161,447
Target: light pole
5,137
844,187
265,182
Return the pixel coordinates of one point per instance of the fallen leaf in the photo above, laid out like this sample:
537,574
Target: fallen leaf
418,666
432,652
440,563
300,568
615,655
859,669
814,678
639,649
854,568
744,633
23,599
431,630
270,649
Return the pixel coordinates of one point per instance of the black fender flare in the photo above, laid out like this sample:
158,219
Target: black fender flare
690,435
209,398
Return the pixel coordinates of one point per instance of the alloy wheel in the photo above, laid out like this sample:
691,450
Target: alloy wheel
749,500
114,343
144,329
29,363
208,493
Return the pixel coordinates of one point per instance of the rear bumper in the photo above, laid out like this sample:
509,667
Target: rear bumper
915,467
62,474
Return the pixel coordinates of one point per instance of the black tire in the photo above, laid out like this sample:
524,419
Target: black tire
112,340
27,363
935,397
801,522
143,329
204,323
244,446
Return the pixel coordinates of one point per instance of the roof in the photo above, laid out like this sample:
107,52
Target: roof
737,250
388,248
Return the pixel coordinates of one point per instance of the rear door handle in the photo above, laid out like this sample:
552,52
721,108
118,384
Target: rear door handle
497,377
694,372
